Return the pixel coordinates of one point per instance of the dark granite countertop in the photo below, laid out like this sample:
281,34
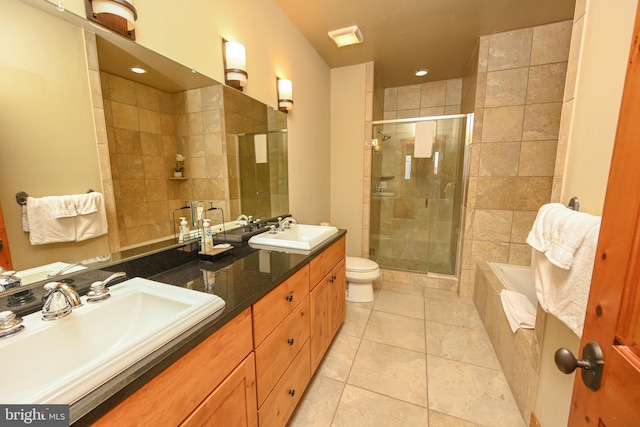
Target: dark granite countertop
240,277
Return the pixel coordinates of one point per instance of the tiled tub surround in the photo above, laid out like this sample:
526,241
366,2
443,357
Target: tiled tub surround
235,277
518,353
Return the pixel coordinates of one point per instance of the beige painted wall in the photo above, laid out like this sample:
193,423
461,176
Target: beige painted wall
604,49
597,64
347,153
47,136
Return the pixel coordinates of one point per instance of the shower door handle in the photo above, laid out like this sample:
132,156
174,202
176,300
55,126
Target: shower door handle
426,200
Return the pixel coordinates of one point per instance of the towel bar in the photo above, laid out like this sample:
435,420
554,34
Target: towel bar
574,204
21,197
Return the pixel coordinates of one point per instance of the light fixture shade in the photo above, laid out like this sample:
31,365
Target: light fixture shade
285,95
346,36
235,64
121,8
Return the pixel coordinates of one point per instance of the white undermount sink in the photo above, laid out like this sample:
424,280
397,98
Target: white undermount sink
60,361
301,237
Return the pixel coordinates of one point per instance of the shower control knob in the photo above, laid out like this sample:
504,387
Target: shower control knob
591,364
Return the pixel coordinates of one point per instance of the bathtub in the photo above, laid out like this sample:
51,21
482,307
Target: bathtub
517,278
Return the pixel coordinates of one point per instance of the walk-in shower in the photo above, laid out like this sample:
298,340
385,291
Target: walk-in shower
416,195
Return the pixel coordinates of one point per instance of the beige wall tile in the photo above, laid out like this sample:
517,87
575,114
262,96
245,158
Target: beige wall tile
130,166
124,116
454,92
551,43
532,192
132,190
546,83
154,168
496,192
499,159
151,144
506,87
503,124
541,121
121,90
156,191
408,97
390,99
537,158
147,97
433,94
427,112
149,121
522,223
510,49
520,254
492,225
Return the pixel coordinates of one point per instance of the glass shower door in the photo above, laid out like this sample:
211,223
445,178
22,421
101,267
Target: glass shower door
416,199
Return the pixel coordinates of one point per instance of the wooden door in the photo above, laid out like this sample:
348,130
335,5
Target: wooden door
320,328
613,311
338,296
5,254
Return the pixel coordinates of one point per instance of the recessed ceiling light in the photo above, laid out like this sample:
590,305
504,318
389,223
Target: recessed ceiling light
138,70
346,36
422,72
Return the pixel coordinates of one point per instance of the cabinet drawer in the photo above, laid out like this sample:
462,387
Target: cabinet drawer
323,263
176,392
277,351
277,304
287,393
232,403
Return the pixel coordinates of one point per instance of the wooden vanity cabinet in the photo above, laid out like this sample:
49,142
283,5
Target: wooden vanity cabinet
179,390
327,299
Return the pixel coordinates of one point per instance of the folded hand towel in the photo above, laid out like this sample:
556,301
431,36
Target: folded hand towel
518,309
423,145
44,227
86,203
25,218
93,224
60,206
547,221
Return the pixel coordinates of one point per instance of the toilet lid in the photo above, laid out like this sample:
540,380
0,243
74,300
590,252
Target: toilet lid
360,264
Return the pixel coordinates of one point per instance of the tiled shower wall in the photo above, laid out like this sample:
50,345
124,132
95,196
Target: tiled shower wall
516,89
146,128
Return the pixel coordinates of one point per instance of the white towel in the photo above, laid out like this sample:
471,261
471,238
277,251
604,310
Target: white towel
564,293
86,203
44,227
25,218
558,232
519,310
260,145
423,145
94,223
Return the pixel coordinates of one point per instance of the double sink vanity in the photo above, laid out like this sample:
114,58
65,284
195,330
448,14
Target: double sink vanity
186,339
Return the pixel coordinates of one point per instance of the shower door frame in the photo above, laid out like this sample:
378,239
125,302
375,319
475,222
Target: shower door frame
468,136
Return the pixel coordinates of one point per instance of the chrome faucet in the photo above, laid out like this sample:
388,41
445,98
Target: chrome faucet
285,223
242,217
62,270
59,301
99,290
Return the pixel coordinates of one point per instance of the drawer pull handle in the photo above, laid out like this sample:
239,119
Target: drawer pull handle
289,298
290,341
333,278
292,392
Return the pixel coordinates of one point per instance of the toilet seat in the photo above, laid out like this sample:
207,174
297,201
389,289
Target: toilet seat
360,265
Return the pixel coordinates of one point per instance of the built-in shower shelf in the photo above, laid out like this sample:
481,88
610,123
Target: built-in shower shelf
387,177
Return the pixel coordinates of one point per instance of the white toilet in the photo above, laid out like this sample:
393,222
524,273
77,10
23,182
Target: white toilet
360,275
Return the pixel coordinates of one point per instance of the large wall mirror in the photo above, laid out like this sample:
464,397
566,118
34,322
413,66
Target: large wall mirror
67,126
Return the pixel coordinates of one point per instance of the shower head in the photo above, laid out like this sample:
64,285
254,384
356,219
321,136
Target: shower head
384,135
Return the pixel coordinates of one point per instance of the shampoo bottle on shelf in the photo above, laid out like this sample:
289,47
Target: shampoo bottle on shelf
183,230
207,238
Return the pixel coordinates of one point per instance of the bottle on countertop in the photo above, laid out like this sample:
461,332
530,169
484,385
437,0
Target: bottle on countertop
183,230
207,238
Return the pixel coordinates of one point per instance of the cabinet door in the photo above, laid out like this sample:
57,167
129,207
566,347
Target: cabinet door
232,403
337,297
320,324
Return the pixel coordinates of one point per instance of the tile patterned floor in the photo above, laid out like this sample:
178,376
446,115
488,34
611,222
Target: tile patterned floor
412,357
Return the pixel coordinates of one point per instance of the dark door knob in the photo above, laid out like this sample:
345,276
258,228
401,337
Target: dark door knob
591,364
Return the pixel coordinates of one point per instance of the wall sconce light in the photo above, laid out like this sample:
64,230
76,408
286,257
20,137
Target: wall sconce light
117,15
235,64
285,95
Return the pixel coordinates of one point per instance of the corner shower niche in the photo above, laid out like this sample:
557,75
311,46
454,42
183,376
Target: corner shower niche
416,201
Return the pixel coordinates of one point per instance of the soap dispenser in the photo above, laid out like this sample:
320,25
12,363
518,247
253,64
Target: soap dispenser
207,236
183,230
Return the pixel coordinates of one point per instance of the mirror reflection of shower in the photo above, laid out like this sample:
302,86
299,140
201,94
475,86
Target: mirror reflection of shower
416,193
